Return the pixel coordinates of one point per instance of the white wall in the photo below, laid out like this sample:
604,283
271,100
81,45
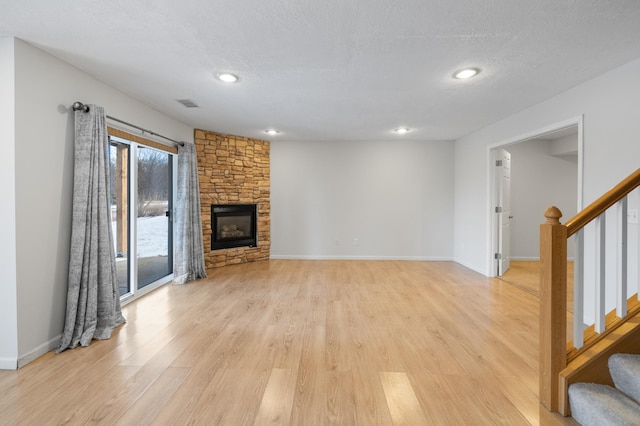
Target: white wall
8,298
539,180
395,197
45,89
566,146
609,104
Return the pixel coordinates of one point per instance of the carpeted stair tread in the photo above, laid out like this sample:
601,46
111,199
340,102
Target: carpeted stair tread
625,372
600,405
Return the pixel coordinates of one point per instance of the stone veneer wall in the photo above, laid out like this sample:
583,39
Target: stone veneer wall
234,170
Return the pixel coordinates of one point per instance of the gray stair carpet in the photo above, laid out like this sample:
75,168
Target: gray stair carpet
625,372
600,405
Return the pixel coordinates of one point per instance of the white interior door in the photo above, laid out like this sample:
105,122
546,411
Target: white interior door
503,209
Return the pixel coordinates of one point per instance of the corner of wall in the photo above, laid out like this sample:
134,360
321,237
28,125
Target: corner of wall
8,263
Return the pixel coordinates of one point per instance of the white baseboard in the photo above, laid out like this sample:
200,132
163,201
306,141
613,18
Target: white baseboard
471,267
534,259
328,257
8,363
39,351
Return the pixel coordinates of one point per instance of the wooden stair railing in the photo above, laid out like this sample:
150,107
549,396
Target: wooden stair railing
555,353
553,306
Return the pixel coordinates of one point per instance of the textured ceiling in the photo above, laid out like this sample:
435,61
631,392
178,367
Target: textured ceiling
334,69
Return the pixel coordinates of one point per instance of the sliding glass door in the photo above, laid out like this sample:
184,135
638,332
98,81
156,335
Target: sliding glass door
119,163
154,256
141,211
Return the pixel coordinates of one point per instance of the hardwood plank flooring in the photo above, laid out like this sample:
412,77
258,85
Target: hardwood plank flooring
295,342
525,274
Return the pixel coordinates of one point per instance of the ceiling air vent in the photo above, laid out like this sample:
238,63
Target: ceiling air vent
188,103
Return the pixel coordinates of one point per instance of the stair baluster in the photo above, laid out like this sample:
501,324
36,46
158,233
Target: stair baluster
562,364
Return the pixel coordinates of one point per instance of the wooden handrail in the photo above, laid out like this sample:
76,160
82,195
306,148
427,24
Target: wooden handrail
553,287
600,205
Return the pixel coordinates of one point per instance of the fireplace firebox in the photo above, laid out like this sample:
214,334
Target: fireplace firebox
233,225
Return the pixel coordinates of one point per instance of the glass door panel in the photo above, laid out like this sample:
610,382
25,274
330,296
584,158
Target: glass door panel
153,224
119,171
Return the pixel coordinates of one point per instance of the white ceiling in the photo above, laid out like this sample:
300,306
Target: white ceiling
334,69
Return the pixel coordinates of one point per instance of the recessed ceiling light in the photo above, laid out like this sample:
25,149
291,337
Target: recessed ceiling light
466,73
271,132
228,77
401,130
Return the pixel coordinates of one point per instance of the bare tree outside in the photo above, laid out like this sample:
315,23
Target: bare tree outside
153,175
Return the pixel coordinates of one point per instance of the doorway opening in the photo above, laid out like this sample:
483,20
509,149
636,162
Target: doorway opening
546,169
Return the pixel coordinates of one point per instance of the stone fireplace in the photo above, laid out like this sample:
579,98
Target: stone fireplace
233,171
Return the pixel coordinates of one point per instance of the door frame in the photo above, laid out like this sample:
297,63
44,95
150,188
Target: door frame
492,196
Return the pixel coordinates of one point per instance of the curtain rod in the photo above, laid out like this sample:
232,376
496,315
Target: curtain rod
79,106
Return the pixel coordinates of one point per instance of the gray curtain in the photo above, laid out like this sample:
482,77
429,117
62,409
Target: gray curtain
189,251
93,300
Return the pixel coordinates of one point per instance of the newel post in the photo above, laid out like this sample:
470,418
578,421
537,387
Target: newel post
553,306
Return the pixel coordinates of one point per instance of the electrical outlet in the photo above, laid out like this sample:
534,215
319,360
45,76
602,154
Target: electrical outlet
632,216
356,242
337,242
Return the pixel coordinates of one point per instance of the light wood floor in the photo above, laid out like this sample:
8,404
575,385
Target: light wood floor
525,274
302,343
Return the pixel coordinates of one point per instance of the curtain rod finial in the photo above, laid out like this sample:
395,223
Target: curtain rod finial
79,106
